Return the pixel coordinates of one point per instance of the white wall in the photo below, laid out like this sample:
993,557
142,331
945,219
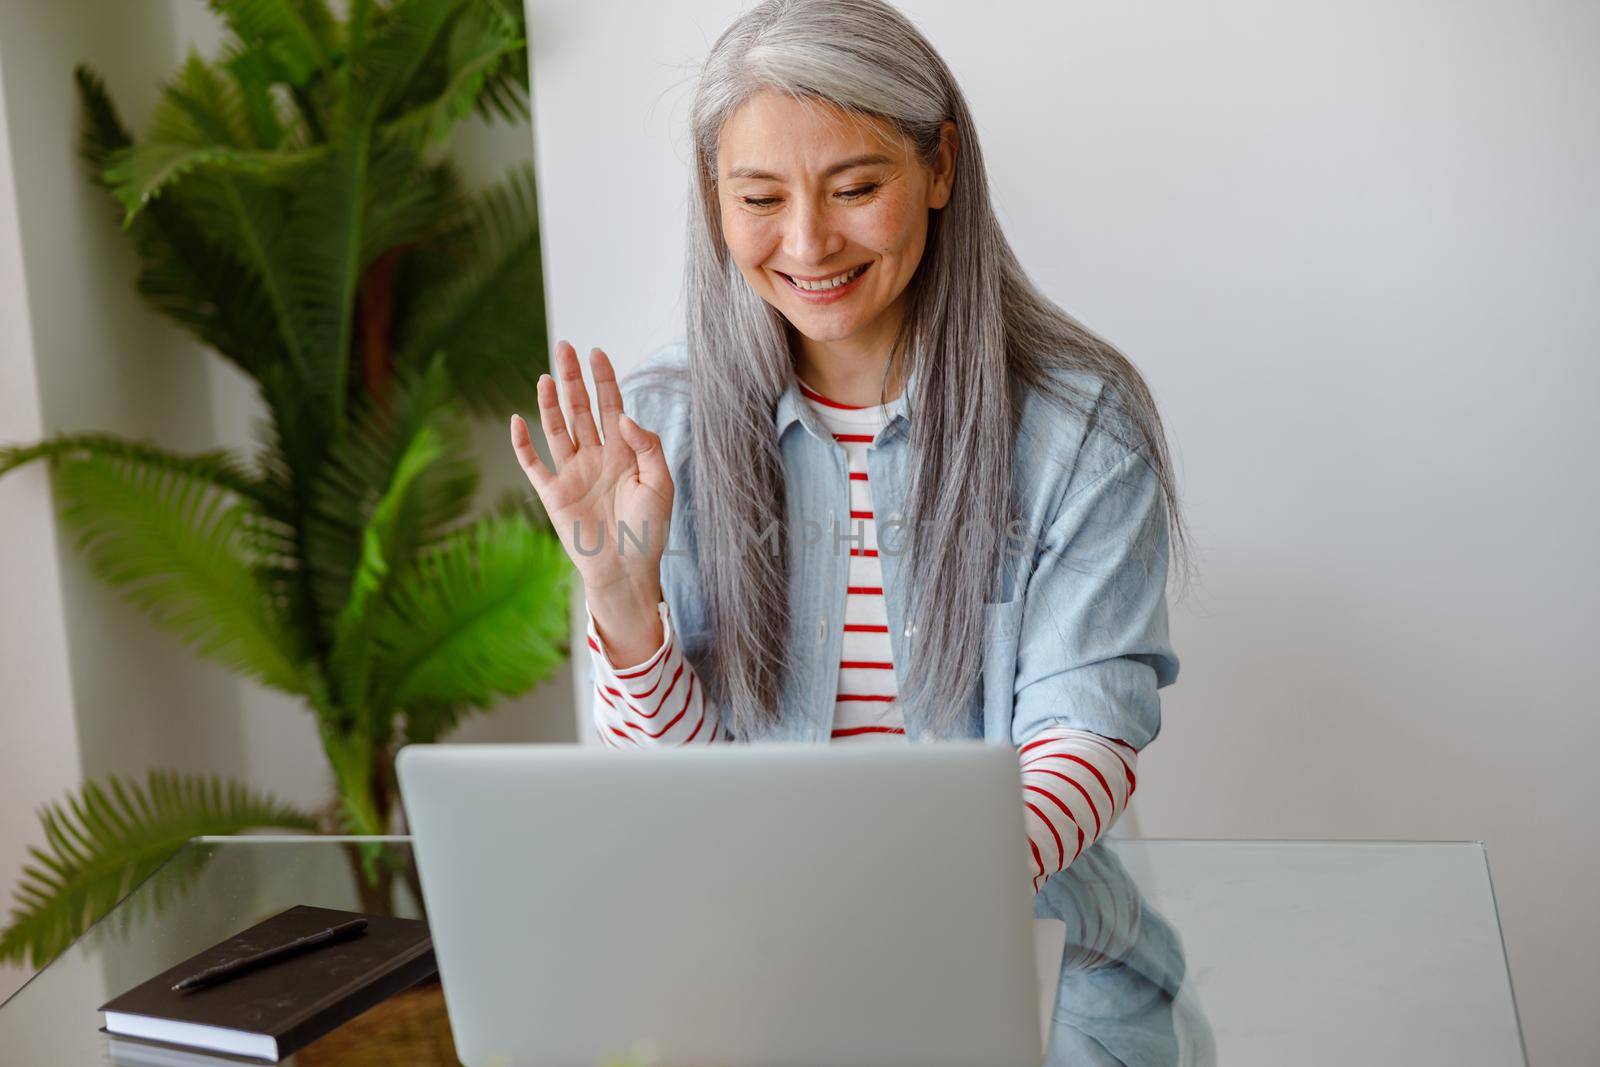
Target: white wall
1353,248
37,759
90,687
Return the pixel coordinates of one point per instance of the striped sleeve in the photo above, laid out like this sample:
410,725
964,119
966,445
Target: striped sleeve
656,702
1075,784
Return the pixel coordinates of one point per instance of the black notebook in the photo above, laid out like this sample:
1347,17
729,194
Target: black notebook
267,1013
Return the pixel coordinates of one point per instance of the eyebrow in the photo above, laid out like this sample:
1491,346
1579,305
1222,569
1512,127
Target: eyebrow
865,160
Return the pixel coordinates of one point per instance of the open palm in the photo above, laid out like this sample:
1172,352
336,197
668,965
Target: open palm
611,490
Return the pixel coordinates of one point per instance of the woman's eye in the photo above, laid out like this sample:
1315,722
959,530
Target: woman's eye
848,194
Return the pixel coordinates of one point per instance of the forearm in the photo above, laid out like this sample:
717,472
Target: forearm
1075,785
658,701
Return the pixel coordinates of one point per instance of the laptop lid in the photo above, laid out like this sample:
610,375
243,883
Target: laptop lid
758,904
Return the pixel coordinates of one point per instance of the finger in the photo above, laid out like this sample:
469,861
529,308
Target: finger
608,397
551,419
522,445
579,418
652,459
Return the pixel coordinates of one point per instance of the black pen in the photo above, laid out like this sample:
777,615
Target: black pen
227,969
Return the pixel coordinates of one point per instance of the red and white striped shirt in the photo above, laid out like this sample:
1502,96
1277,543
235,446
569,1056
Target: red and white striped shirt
1075,783
861,709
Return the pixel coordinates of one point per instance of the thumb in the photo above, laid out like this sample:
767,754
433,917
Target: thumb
647,452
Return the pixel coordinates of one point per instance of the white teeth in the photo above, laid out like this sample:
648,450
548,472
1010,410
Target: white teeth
829,283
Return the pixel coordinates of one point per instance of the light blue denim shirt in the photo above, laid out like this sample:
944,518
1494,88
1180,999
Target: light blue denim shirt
1078,636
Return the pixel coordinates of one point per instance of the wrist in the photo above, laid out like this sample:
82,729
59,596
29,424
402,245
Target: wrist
628,623
623,598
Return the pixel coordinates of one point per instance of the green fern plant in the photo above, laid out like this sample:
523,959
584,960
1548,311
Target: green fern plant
291,207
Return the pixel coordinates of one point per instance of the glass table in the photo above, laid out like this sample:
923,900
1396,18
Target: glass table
1178,952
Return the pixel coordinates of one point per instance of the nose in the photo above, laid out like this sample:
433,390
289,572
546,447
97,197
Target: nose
811,238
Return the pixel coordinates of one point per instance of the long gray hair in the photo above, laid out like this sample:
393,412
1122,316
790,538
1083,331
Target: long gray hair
976,333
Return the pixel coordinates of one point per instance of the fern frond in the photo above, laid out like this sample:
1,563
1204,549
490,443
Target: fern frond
140,173
385,552
426,721
298,36
101,131
102,842
201,121
270,124
250,217
330,232
402,56
482,39
411,206
505,91
476,296
483,614
171,544
362,467
220,466
211,294
201,141
295,442
199,106
183,273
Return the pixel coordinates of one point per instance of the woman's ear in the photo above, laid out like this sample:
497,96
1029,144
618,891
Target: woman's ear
942,172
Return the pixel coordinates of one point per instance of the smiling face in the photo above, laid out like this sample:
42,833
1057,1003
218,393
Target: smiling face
826,215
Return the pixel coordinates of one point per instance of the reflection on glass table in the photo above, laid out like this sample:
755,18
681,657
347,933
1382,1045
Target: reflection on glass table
1177,952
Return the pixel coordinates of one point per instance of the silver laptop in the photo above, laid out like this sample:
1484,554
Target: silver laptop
758,904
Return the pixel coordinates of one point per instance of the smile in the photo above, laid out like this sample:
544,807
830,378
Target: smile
828,288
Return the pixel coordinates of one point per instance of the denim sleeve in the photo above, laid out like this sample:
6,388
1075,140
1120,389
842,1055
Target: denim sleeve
655,395
1093,648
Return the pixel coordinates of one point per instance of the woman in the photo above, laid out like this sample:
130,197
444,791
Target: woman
866,359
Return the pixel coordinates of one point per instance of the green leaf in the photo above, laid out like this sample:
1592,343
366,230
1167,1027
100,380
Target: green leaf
210,292
171,542
330,228
298,37
248,218
403,52
429,720
385,544
295,452
411,207
139,173
104,841
484,614
252,72
220,467
200,107
476,296
505,92
201,121
362,468
195,280
101,131
480,41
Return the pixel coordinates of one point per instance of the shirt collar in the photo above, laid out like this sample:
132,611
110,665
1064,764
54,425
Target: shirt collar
792,408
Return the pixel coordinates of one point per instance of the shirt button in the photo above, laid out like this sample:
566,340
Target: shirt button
822,629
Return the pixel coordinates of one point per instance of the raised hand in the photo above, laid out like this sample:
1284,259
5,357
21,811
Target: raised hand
607,477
